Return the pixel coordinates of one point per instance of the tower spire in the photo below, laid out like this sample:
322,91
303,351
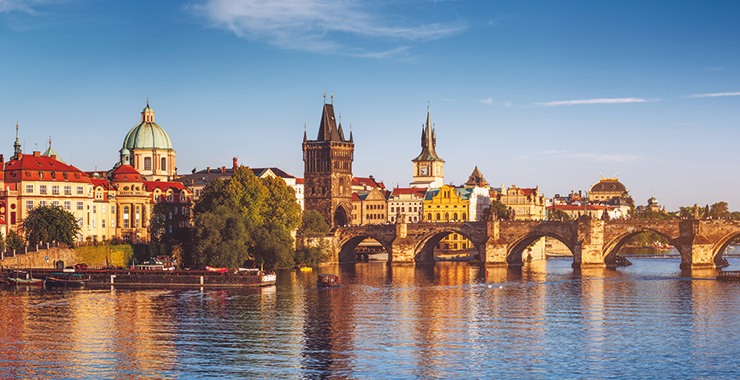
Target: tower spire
17,144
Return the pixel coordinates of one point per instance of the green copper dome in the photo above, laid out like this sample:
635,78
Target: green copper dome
147,134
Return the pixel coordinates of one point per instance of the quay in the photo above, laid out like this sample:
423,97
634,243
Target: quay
133,278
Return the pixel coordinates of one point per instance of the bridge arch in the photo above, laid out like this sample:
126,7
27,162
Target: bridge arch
514,255
719,248
348,246
424,248
612,247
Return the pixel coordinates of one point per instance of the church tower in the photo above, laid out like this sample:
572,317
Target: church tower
328,170
429,169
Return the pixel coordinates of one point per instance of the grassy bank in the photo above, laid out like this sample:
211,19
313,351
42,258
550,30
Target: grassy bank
99,255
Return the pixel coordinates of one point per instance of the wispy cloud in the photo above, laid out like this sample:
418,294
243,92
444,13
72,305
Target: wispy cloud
488,101
316,25
576,102
712,95
392,53
22,6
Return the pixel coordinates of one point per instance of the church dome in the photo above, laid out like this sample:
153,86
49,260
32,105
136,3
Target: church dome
147,134
608,185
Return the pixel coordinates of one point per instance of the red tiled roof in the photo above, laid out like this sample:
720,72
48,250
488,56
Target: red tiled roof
299,181
126,173
578,207
409,190
163,186
355,197
100,182
367,181
31,167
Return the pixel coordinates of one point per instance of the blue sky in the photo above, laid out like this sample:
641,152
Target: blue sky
536,93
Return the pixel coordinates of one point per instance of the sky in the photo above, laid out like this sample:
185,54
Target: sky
535,93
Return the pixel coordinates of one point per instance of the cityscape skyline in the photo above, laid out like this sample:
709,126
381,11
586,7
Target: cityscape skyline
546,95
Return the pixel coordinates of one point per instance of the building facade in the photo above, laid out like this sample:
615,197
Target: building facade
148,149
524,203
406,203
328,171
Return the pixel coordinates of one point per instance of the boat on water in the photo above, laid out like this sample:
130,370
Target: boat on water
21,277
67,280
729,275
327,280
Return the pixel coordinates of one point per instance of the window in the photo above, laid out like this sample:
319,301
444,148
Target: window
80,190
102,223
94,223
102,209
98,195
95,208
42,189
67,190
42,203
55,203
29,205
55,190
163,164
80,206
29,189
67,205
125,217
147,163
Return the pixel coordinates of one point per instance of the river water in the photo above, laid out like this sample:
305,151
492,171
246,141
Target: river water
649,320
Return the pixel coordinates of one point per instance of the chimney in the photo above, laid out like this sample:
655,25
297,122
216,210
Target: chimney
235,162
2,158
208,170
53,156
36,153
223,169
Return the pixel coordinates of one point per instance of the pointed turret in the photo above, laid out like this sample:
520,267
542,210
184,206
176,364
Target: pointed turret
328,128
428,142
476,179
50,152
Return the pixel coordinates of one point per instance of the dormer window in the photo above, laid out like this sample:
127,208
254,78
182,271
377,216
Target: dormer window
41,174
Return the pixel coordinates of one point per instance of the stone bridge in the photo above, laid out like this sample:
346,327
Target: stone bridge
594,243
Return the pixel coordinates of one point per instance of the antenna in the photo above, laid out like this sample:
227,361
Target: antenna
332,98
324,97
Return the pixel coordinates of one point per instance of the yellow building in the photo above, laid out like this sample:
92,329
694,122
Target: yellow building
609,190
449,204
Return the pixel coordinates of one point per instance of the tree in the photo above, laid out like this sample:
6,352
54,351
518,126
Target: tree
281,216
221,238
559,215
500,211
50,223
313,224
719,210
14,241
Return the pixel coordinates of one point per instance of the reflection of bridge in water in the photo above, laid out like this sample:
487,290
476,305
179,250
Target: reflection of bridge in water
594,243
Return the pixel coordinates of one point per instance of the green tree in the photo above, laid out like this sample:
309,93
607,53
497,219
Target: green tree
313,224
14,241
221,238
719,210
500,210
281,216
50,223
559,215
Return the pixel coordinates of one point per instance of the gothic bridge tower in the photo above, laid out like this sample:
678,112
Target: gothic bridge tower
429,169
328,170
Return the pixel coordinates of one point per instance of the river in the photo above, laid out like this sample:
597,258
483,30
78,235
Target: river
546,320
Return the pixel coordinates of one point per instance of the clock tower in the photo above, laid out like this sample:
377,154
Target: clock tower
429,171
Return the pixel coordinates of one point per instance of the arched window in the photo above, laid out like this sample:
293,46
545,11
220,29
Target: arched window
464,217
429,217
147,163
163,164
447,216
439,216
454,216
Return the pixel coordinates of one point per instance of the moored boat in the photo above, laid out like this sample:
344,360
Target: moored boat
327,280
20,277
67,280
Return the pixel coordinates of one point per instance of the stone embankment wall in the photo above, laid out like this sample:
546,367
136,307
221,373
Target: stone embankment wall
44,258
94,256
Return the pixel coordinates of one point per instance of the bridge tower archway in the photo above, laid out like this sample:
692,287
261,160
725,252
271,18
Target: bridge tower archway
341,216
720,248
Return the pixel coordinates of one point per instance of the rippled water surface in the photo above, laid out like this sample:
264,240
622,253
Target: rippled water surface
450,321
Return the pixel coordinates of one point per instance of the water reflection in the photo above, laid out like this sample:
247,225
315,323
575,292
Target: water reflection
544,319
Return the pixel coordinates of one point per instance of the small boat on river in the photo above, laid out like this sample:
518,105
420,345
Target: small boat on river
20,277
67,280
327,280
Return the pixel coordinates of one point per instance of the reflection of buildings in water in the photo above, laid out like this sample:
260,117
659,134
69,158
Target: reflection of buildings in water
14,317
328,332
